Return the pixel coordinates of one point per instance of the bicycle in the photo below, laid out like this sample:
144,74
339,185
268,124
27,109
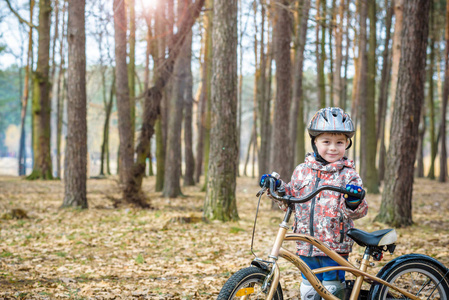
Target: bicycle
410,276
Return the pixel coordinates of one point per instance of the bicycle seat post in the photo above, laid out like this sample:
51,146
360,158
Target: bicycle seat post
363,267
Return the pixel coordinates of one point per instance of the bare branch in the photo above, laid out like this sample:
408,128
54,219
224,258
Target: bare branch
21,20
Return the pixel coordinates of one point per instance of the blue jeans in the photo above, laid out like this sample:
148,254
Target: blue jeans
316,262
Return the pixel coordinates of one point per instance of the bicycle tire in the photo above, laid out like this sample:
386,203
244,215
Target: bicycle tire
418,277
248,277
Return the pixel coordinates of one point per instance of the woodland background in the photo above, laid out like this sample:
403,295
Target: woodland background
159,116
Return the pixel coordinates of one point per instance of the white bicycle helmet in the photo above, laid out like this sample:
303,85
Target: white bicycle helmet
332,120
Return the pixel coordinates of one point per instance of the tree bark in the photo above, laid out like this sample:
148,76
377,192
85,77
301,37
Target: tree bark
296,128
443,153
60,93
159,57
419,171
126,155
41,106
362,88
371,180
264,119
25,96
189,172
337,90
75,175
132,64
220,200
202,123
430,96
383,94
319,54
396,49
107,110
396,207
282,38
172,186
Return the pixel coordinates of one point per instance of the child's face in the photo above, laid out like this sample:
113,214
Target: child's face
331,147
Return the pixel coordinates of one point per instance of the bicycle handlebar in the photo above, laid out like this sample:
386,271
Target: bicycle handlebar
291,199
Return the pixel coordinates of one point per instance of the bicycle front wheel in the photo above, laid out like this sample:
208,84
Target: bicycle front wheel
419,277
247,284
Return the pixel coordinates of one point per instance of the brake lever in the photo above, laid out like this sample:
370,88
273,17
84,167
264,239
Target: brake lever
261,192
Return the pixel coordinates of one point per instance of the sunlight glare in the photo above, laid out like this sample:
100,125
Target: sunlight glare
149,4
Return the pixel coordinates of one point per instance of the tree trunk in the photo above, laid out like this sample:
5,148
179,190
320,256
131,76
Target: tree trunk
344,84
419,171
24,100
319,55
383,94
371,180
204,103
443,154
75,175
248,150
41,107
220,200
396,49
189,173
330,75
108,110
60,92
430,96
264,119
282,35
296,129
396,207
133,189
337,90
122,94
172,186
159,57
132,64
362,89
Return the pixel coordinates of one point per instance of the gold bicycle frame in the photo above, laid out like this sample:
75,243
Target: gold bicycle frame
345,265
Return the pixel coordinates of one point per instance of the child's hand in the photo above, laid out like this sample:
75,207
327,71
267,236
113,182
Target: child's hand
264,182
351,201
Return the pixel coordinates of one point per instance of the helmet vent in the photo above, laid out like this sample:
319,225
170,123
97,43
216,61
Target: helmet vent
324,116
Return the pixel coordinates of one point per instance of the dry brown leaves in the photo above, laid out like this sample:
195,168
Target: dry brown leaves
128,253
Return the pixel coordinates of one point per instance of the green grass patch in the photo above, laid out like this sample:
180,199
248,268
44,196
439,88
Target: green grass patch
5,254
61,254
236,229
139,259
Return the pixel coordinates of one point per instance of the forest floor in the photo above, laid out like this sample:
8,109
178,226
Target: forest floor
128,253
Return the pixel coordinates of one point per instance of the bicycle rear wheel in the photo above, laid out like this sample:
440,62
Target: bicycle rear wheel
247,282
419,277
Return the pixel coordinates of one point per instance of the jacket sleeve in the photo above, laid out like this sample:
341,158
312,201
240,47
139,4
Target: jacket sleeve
362,209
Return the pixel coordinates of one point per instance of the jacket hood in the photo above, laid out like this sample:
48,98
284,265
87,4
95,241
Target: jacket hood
312,163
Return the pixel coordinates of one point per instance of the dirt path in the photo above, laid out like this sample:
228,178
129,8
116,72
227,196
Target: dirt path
108,253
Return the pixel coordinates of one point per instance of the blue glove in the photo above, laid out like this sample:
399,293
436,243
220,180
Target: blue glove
351,201
264,182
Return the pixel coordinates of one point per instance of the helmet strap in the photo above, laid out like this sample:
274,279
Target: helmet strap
318,157
350,144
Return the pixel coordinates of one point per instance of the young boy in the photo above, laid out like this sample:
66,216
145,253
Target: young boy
329,215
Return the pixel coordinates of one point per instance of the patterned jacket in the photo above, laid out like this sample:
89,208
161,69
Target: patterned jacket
321,217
